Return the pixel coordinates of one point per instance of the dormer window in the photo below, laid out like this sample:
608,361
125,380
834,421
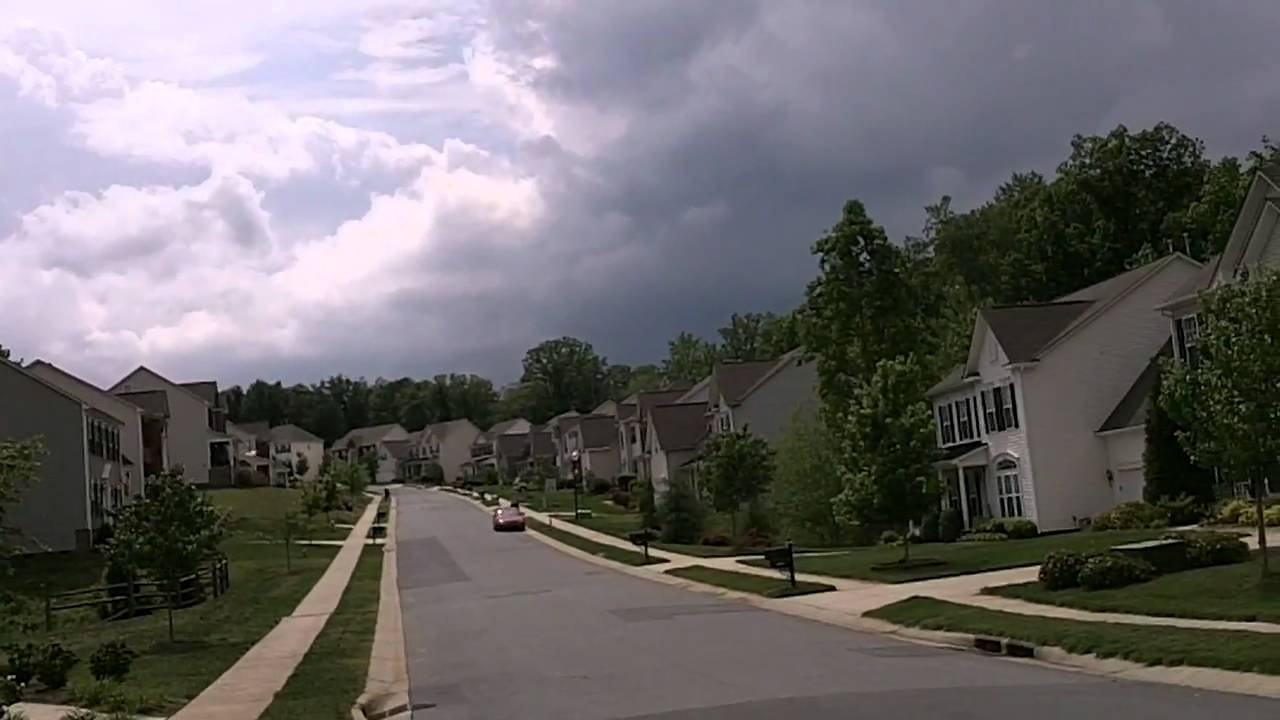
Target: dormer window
946,423
1188,332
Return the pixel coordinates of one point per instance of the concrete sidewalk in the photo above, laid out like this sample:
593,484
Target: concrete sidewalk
386,690
246,689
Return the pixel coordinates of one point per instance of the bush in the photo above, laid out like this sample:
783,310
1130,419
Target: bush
1272,516
111,661
23,660
1061,570
983,537
756,539
950,525
102,694
716,540
1111,570
1131,516
1207,548
890,537
54,663
10,691
1248,517
1183,510
624,481
600,486
681,514
929,530
1229,514
1020,529
244,478
621,498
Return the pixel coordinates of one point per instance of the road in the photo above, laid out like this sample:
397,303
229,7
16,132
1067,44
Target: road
504,626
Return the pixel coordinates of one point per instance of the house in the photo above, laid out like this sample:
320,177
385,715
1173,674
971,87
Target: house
447,444
761,396
676,432
291,444
251,443
361,442
195,433
1020,424
80,478
129,415
595,438
1254,243
636,452
499,448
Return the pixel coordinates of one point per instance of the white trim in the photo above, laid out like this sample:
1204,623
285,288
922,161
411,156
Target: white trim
1116,431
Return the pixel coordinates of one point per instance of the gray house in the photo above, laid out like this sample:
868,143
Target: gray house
195,435
80,478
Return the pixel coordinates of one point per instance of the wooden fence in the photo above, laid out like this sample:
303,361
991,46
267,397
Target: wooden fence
130,599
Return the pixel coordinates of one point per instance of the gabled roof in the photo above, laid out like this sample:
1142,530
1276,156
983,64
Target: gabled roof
680,426
598,431
152,402
501,428
697,393
649,399
732,380
1022,330
293,433
167,381
43,367
953,380
21,371
260,429
207,390
441,430
366,435
1198,283
1132,409
786,360
626,411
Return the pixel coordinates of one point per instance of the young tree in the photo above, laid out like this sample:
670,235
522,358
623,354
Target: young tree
167,533
19,463
352,478
367,462
738,468
808,479
1169,471
887,450
681,513
1229,401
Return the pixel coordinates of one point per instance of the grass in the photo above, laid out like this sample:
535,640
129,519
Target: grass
609,552
1226,592
259,513
331,676
746,582
960,558
1146,644
210,636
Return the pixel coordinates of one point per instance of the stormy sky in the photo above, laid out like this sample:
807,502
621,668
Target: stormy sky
242,189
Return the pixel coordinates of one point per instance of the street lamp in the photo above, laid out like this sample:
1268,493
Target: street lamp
575,459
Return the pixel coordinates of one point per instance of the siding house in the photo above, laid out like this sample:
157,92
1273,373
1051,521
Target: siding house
761,396
195,433
637,453
1022,424
361,442
289,444
676,432
499,448
447,444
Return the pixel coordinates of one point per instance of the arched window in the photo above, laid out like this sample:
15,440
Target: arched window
1008,488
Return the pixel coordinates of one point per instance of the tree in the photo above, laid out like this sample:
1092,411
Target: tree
19,465
566,374
642,378
808,479
352,477
744,337
1229,401
887,450
301,466
689,359
368,464
681,513
1168,470
4,353
167,533
780,334
738,468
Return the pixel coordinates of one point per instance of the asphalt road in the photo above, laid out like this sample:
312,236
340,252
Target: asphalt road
504,626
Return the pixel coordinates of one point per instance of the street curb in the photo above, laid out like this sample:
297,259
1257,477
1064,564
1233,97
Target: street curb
386,691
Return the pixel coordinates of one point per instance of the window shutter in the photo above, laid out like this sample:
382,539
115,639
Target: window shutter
1013,403
942,434
986,418
973,415
997,399
1182,339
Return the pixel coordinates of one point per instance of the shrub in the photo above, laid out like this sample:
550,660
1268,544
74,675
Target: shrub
54,663
1061,570
929,529
983,537
1229,514
624,481
989,525
621,498
1111,570
102,694
600,486
244,478
1020,529
10,691
1248,517
950,525
1183,510
890,537
756,538
1206,548
111,661
23,660
1131,516
681,514
716,540
1272,516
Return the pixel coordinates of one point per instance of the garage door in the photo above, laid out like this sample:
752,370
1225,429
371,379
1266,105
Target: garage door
1128,486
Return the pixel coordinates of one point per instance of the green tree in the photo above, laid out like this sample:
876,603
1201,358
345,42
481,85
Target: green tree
744,337
1229,402
368,464
689,359
301,466
167,533
19,468
780,334
887,450
738,469
646,503
566,374
808,480
1168,468
353,478
643,377
681,513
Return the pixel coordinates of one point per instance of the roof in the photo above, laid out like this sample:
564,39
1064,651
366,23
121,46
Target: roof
734,379
692,394
152,402
260,429
1022,330
1197,283
501,428
626,411
599,431
786,360
542,444
366,435
40,367
651,398
953,380
292,433
955,452
180,386
441,430
398,449
207,390
679,426
512,446
1132,408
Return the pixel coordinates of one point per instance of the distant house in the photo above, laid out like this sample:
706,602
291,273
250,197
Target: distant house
761,396
637,452
447,444
500,448
289,445
81,478
361,442
1026,425
195,430
252,452
676,433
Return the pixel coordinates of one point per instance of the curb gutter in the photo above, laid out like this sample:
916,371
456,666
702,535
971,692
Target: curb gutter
386,691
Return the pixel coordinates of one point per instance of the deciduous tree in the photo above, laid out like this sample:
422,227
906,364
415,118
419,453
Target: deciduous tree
566,374
19,465
808,480
738,468
689,359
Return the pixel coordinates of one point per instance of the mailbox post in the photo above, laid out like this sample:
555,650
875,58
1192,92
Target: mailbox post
576,459
642,538
783,558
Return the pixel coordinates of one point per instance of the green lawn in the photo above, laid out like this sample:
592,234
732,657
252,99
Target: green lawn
1146,644
773,587
210,636
331,676
960,558
609,552
1226,592
259,513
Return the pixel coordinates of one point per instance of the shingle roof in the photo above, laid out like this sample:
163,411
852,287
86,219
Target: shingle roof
952,380
207,390
260,430
651,398
679,427
502,427
734,379
626,411
292,433
959,451
1132,408
1197,283
441,430
512,446
542,444
366,435
1022,330
152,402
600,431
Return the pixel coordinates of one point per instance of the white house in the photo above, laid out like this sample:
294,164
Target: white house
195,436
289,444
360,442
1019,422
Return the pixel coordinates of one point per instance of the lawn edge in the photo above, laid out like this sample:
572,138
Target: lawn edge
817,589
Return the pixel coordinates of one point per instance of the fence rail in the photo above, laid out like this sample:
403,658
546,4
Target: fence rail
129,599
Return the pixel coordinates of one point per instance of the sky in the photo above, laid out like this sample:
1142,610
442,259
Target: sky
290,190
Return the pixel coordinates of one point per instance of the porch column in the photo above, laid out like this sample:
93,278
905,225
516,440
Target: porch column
964,496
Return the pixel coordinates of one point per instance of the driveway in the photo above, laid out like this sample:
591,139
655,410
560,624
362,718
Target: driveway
503,626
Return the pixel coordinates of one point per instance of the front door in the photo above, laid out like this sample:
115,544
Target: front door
975,481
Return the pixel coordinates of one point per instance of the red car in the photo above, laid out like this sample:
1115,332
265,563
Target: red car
508,518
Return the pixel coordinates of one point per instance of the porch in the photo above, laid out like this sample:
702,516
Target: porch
962,480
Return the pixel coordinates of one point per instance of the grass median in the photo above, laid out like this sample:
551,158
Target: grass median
770,587
608,552
1145,644
332,674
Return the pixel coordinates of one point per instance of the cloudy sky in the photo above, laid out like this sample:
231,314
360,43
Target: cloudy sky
291,189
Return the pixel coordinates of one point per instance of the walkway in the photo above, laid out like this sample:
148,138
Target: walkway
246,689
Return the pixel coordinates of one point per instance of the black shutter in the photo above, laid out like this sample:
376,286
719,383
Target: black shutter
997,399
1182,339
1013,403
973,416
985,418
942,433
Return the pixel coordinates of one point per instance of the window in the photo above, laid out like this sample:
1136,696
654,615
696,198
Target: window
964,418
1188,329
946,424
726,423
1005,406
1008,489
989,410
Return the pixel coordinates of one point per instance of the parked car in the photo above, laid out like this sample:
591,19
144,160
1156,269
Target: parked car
508,518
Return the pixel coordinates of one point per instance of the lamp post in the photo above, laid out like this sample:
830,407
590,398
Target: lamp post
575,458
